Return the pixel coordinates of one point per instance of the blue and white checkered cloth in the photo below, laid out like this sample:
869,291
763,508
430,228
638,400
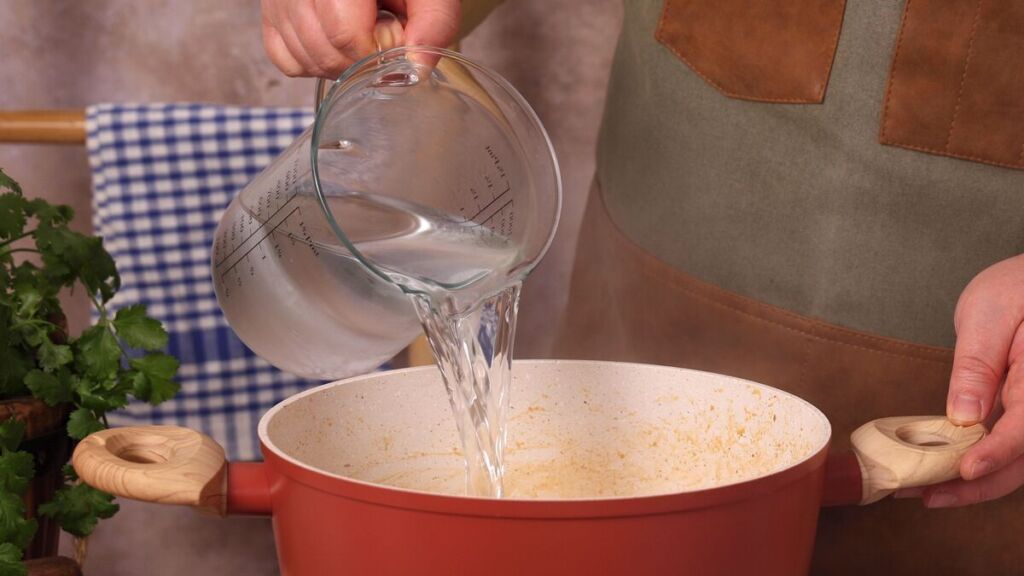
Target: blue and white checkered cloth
162,174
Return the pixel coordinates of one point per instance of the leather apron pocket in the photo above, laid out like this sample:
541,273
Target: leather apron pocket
763,50
956,87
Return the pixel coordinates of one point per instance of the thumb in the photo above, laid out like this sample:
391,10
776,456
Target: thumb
431,22
979,360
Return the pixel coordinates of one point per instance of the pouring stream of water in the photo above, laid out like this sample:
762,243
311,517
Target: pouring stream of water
473,350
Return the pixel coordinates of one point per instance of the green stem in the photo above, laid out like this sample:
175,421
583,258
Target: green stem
19,324
16,238
32,322
99,307
105,320
33,250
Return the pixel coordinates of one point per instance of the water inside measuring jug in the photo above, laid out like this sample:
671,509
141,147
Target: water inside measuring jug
420,248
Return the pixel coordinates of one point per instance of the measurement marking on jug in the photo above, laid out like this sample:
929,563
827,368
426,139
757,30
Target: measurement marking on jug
257,230
260,241
508,188
496,161
307,238
498,211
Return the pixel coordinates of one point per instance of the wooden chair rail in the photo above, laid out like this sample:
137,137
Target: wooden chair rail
43,126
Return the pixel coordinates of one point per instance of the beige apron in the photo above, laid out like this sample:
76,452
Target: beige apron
627,305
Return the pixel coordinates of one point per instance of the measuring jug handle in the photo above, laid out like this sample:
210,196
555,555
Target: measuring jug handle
387,33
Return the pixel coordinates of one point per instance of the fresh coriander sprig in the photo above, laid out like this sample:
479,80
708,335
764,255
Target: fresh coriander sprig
100,370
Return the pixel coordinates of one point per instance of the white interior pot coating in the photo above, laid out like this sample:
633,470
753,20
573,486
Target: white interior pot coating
579,429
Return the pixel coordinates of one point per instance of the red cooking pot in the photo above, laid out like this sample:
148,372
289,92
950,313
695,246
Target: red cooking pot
612,468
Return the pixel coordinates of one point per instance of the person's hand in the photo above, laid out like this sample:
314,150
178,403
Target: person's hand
323,37
987,385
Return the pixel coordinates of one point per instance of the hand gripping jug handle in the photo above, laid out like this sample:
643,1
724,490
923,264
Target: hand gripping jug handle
387,33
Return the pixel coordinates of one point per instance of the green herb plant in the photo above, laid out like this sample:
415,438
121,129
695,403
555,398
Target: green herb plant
116,358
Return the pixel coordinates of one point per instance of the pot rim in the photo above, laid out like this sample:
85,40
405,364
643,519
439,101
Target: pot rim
610,506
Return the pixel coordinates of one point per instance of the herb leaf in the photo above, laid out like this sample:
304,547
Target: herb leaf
77,508
12,214
14,527
53,356
98,355
13,367
16,471
70,256
139,330
48,387
47,213
82,423
152,380
10,560
29,300
8,182
11,433
99,395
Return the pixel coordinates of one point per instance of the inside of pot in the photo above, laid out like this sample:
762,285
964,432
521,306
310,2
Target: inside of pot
579,430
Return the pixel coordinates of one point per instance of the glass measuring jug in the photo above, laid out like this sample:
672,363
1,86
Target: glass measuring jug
423,172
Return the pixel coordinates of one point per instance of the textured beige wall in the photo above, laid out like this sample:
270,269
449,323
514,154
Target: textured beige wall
70,53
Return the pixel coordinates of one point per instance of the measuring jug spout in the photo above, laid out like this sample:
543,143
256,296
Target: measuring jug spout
414,179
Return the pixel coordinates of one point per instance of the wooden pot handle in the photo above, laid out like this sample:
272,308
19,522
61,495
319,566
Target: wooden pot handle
909,451
164,464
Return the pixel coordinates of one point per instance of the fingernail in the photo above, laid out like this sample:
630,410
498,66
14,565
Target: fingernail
908,493
940,500
388,33
384,38
966,409
979,469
